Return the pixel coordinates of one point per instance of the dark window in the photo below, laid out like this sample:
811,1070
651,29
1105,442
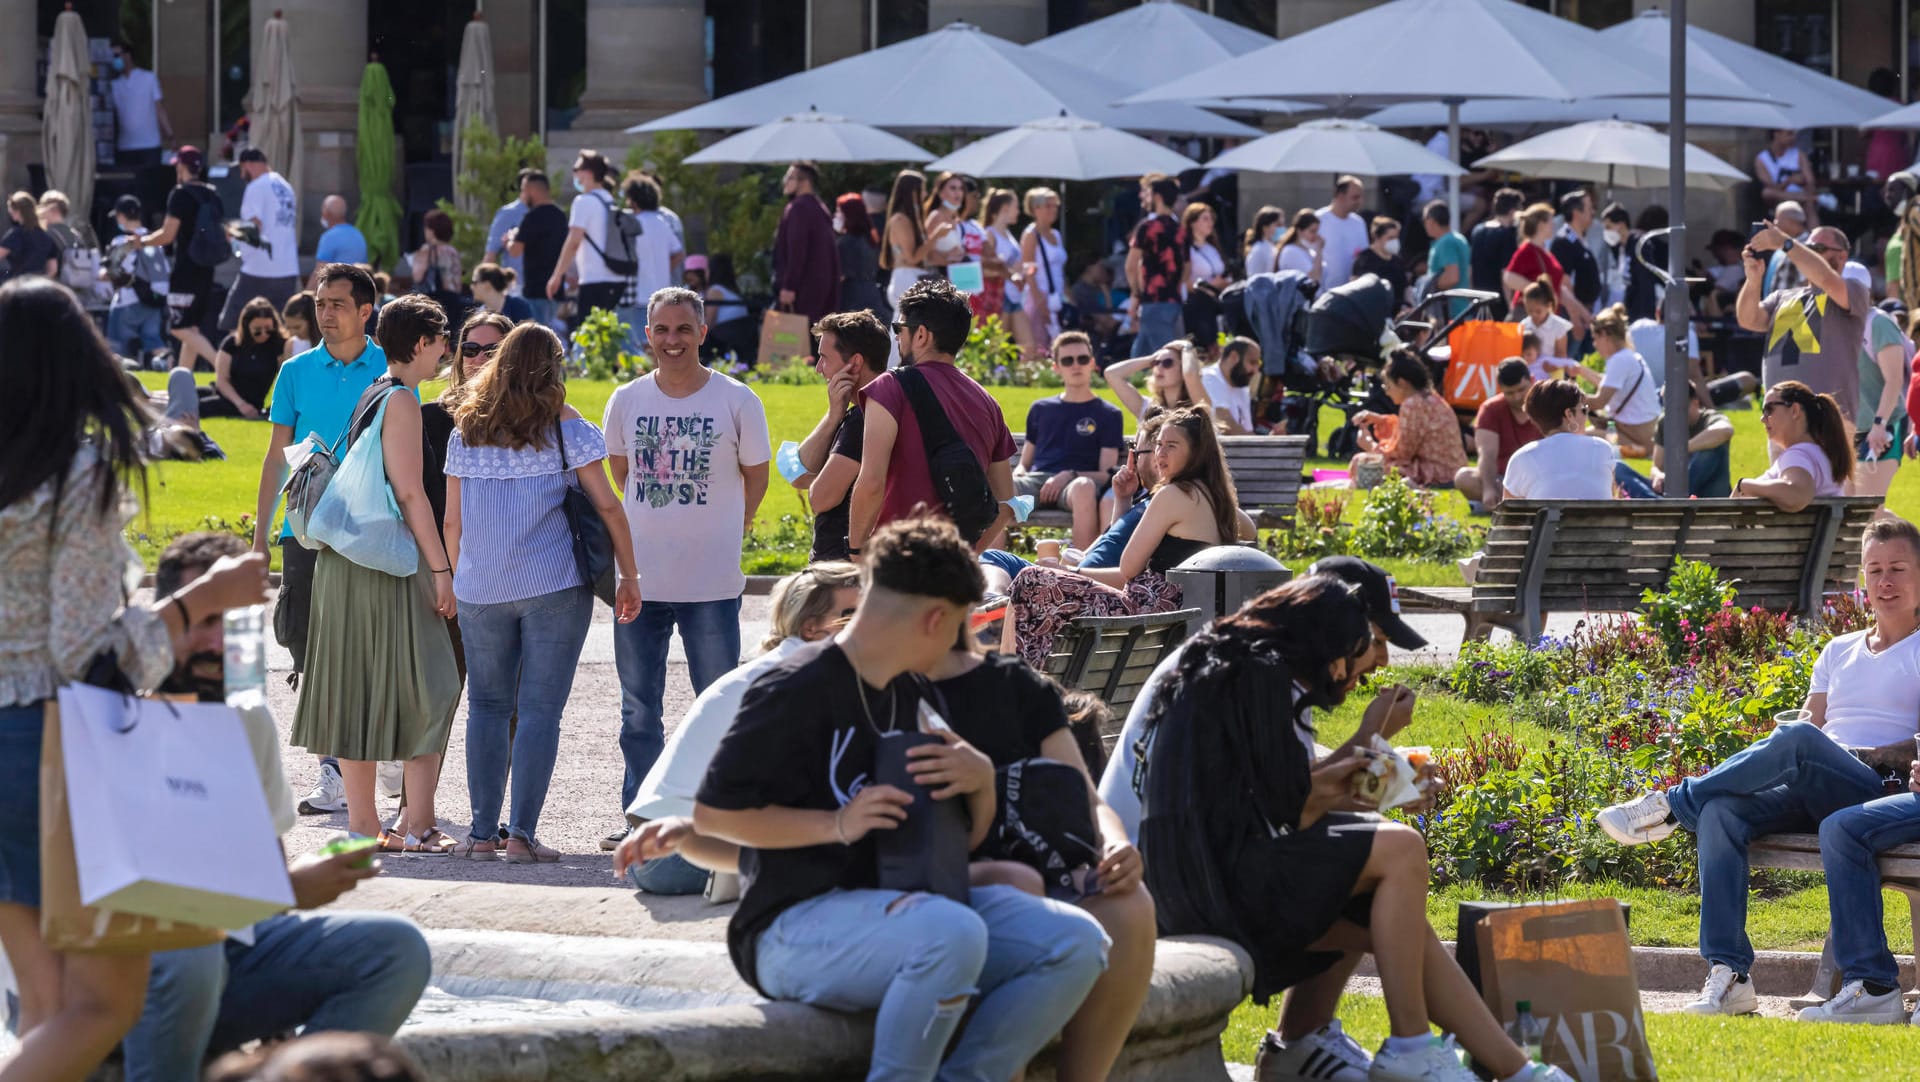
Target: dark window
898,20
1797,30
755,42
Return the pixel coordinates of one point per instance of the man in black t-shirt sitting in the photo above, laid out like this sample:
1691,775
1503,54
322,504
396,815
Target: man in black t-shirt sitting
792,785
853,352
190,289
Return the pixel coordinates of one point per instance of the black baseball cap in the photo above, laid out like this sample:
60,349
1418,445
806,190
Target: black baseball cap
1381,595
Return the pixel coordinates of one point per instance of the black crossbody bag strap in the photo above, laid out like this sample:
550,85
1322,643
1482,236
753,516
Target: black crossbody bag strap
935,430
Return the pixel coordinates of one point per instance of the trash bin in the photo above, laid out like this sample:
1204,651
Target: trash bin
1220,579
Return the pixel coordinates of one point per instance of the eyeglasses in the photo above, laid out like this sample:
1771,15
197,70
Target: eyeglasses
1075,359
1826,247
475,349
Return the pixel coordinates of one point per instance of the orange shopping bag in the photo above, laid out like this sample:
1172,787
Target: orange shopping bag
1477,346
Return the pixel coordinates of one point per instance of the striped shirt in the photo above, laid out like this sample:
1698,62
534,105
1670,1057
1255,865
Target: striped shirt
514,539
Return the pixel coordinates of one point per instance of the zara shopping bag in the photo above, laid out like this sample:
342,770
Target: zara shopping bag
169,820
1572,962
357,516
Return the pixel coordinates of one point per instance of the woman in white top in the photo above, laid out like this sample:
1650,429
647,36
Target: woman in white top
1783,172
907,244
1006,275
1263,241
1566,464
1205,264
1816,457
945,212
1628,390
1302,248
1044,249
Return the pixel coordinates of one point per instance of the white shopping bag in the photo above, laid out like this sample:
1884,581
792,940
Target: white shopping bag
169,819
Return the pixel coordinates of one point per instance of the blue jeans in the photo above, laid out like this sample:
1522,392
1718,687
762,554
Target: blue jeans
918,959
1790,780
358,972
521,655
1850,840
1160,323
1708,476
543,313
671,874
710,631
138,324
1005,561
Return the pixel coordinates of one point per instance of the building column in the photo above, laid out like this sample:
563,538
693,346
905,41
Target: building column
19,99
837,29
1296,16
1022,21
645,58
516,88
329,48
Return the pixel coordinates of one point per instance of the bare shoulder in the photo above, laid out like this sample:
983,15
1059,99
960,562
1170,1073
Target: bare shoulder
568,413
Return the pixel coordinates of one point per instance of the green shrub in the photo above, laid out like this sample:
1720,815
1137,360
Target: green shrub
1694,593
601,348
993,360
492,179
1398,520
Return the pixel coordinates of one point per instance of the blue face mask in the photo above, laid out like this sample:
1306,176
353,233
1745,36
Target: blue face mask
579,185
119,64
1273,235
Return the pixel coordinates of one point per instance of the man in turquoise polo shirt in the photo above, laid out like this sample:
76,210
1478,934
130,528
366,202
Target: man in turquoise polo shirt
315,395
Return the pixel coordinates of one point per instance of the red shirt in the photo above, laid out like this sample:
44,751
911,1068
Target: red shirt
1495,417
1530,261
975,416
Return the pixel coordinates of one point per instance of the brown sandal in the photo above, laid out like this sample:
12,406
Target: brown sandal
436,843
391,842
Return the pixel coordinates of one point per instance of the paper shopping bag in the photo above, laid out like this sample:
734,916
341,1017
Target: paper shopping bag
1572,963
168,814
65,924
784,334
1475,349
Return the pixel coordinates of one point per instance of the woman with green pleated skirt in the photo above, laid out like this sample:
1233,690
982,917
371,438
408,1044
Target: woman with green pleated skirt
381,682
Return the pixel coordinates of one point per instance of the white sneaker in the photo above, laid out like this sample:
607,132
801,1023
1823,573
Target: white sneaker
1325,1055
391,775
1638,821
1437,1061
1725,993
1854,1003
329,794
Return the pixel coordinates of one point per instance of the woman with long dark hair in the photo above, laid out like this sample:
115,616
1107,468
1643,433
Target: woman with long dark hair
1422,440
1246,836
1194,507
73,453
1262,242
25,248
859,248
907,247
1302,248
1816,457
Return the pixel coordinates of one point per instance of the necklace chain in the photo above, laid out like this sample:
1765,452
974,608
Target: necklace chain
860,691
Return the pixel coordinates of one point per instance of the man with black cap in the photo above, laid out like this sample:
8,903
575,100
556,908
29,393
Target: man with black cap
269,268
139,277
190,289
1310,1041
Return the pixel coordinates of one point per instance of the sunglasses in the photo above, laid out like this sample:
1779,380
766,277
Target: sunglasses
1074,359
900,327
260,329
1166,362
475,349
1767,408
1826,247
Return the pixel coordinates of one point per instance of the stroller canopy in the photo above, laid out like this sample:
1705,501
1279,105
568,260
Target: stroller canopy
1348,320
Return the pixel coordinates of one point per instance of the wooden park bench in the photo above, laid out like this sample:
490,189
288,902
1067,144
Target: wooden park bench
1266,471
1112,656
1899,870
1549,556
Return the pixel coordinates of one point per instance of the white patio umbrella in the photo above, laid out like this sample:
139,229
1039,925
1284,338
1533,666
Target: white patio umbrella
273,116
66,137
1174,37
472,100
1449,51
1064,148
1611,152
955,79
1907,116
1335,146
1515,113
814,135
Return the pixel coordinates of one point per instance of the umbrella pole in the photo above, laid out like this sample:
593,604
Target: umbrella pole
1453,149
1677,303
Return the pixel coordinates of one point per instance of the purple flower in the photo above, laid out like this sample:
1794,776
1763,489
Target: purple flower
1503,826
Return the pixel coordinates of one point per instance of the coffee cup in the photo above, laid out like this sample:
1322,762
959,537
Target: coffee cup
1047,548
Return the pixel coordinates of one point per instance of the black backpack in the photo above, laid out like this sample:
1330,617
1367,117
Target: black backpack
626,225
209,246
958,477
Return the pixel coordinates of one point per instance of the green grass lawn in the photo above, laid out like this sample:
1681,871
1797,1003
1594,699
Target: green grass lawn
1685,1048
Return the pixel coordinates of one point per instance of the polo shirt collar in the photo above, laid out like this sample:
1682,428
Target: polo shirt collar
333,361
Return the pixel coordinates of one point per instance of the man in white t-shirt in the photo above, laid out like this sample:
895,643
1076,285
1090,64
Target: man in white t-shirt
270,269
1229,384
689,450
1343,231
1862,710
592,232
141,124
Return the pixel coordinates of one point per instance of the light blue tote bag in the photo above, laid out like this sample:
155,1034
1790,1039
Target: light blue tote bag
358,517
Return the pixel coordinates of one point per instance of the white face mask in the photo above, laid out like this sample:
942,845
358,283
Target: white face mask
1614,237
950,205
1393,246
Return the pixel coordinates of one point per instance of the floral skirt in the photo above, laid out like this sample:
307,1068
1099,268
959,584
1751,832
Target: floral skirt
1045,600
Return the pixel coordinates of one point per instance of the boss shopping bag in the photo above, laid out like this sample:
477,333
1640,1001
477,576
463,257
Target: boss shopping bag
784,334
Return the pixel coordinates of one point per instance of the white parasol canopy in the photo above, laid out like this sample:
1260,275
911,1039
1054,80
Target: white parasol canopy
472,100
1335,146
273,115
955,79
1615,153
1176,36
1810,99
1533,112
66,138
813,135
1065,148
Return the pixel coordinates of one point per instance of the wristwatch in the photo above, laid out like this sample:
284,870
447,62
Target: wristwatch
1786,245
1879,420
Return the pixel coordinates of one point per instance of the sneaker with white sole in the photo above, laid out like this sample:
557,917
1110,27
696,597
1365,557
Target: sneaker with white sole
1854,1003
1325,1055
1437,1061
328,795
391,776
1639,821
1725,992
1545,1072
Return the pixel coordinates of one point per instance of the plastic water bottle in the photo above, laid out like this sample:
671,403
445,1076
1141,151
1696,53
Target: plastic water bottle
246,651
1527,1031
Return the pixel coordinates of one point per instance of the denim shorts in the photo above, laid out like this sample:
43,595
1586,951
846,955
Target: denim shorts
20,728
